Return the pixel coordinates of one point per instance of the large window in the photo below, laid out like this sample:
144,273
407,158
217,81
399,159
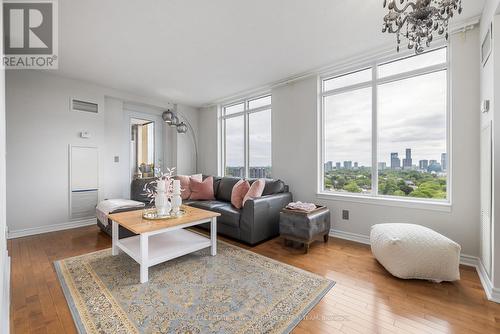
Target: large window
246,138
385,129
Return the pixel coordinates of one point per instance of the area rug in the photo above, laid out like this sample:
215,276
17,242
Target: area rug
236,291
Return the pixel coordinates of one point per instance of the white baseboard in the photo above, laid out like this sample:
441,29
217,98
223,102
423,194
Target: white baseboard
362,239
492,293
5,286
50,228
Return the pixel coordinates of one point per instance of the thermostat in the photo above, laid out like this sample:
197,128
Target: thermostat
85,134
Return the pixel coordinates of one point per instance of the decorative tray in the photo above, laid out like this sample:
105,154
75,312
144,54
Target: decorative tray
151,214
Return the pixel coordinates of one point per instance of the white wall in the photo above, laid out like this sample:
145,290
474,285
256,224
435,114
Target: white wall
207,139
4,259
186,160
114,174
39,129
294,152
490,80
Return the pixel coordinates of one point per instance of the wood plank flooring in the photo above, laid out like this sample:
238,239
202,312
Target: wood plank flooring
366,299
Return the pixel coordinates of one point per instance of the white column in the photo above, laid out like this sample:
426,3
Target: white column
144,257
213,236
114,235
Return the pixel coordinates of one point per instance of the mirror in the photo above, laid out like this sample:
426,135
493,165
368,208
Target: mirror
142,146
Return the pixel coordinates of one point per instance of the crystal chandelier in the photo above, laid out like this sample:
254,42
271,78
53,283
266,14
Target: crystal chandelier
417,20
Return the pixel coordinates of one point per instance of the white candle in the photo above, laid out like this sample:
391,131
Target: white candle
177,186
160,186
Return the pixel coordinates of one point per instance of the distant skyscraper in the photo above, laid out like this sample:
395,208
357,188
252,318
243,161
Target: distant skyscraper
258,172
407,161
423,164
434,166
356,165
382,165
348,164
444,162
235,171
395,161
338,165
328,166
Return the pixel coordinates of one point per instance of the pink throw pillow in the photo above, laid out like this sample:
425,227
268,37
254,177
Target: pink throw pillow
239,191
255,190
202,190
186,184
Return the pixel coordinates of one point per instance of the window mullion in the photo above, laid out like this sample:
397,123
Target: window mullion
246,141
374,132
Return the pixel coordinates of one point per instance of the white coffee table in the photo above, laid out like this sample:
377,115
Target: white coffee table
162,240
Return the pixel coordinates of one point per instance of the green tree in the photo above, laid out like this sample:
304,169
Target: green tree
399,193
352,187
340,183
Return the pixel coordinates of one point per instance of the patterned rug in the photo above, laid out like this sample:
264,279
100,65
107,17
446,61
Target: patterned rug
236,291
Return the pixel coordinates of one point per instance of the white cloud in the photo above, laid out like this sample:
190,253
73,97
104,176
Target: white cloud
411,114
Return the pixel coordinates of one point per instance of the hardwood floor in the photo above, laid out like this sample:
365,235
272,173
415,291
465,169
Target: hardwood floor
366,299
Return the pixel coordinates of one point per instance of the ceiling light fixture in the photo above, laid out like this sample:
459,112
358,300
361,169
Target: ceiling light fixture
421,18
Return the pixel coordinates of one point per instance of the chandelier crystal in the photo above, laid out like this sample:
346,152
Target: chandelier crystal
417,20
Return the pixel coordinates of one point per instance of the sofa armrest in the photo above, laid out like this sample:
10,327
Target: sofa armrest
260,217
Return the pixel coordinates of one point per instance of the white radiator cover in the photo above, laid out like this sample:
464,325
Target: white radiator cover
83,204
84,181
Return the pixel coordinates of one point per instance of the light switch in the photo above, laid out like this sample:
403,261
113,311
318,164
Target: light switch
117,158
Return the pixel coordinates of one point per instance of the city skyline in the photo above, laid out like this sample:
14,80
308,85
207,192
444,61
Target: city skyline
395,161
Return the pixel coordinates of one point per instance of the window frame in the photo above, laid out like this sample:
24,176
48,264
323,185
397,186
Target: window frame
246,121
374,197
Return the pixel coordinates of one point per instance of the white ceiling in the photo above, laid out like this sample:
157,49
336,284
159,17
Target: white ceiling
197,51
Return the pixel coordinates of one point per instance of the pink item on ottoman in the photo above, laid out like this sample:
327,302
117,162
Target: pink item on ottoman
255,190
239,191
202,190
186,184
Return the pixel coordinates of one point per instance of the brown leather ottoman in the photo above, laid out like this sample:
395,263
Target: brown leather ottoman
305,227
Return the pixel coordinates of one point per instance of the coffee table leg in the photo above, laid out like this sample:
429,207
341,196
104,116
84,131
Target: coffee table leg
114,236
144,257
213,236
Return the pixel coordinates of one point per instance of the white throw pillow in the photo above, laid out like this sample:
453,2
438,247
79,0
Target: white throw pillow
413,251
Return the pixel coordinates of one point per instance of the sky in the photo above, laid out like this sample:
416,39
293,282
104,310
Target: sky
411,114
259,136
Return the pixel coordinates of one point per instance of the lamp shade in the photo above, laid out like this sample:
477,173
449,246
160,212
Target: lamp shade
182,127
168,116
174,121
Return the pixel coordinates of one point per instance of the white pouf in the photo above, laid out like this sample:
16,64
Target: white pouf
414,251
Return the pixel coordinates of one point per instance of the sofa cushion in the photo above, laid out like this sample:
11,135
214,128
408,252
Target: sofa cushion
272,186
137,191
216,182
229,214
225,188
239,192
205,205
186,184
202,190
255,190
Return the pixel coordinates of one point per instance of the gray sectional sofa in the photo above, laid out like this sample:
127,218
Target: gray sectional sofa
257,221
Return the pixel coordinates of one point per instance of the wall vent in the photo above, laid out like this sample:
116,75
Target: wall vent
85,106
